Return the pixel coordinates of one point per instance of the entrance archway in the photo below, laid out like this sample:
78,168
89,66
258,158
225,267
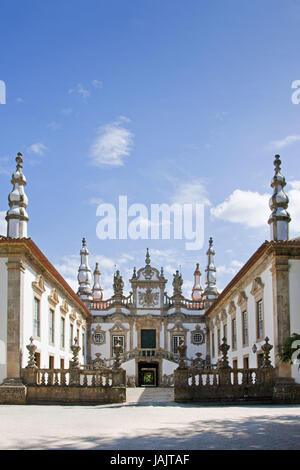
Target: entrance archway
148,374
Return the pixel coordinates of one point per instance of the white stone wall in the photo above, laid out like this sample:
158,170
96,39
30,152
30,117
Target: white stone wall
294,286
44,347
3,318
242,351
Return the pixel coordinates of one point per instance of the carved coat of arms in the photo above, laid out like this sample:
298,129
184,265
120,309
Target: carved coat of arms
148,298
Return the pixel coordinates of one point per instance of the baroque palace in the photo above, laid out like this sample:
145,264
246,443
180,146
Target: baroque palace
38,307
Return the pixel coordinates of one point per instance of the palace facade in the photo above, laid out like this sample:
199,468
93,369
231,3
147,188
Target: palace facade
261,301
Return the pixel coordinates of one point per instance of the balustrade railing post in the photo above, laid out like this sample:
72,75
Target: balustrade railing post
30,372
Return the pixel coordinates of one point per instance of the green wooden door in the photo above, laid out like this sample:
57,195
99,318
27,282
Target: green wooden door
148,339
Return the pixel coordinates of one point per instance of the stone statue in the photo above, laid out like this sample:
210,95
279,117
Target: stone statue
177,284
118,284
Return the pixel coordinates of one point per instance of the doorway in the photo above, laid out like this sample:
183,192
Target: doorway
148,374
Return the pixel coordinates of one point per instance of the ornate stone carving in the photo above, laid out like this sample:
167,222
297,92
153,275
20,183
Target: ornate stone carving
118,285
257,285
182,354
177,284
98,335
53,297
75,348
266,348
64,308
38,285
224,348
148,298
242,299
31,348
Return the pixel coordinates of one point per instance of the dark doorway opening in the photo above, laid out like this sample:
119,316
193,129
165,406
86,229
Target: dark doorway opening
148,374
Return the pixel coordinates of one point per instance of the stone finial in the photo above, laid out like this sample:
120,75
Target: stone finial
147,260
117,349
17,217
182,354
84,275
279,219
75,348
211,292
266,348
224,348
31,348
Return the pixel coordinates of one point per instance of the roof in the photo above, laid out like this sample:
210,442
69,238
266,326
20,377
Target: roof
38,255
265,248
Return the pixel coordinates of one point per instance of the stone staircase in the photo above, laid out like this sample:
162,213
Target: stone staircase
149,395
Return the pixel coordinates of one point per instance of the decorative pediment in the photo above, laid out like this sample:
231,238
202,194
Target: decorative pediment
38,285
217,320
223,315
64,308
53,298
232,308
73,314
118,327
148,297
178,327
257,286
242,299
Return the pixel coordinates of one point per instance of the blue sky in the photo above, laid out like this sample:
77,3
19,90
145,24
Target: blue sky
162,101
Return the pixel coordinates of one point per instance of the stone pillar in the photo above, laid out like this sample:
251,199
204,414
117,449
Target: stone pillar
15,309
281,310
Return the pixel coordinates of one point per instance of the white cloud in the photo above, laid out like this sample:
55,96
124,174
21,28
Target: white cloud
53,125
113,143
80,90
252,209
290,139
245,207
232,269
19,100
67,111
294,207
97,83
38,148
191,193
3,223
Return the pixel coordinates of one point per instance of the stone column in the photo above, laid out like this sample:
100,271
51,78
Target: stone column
281,310
15,315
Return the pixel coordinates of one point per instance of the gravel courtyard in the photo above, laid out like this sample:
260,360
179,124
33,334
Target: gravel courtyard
149,424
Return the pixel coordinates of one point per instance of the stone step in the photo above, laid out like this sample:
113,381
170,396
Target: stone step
149,395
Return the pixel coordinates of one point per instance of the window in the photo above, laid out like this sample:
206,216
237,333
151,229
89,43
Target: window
51,362
71,334
148,339
51,326
245,327
114,342
260,359
197,338
36,318
235,364
62,332
233,333
62,363
176,341
213,345
77,335
246,362
219,340
83,344
225,332
259,320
